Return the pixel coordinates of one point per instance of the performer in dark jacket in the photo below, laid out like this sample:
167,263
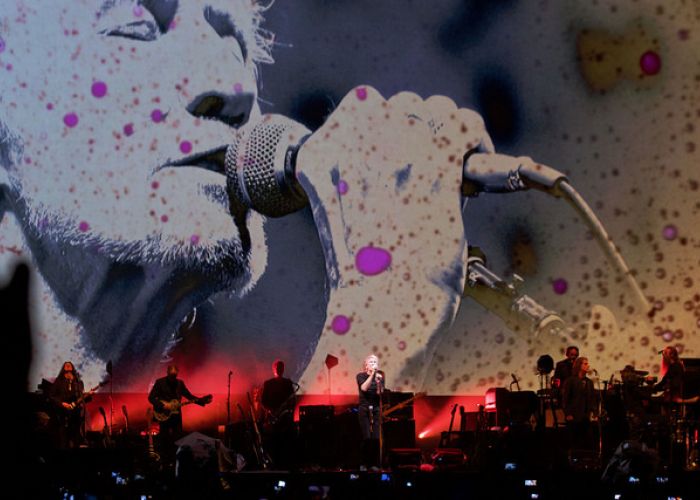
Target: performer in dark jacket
66,395
579,403
278,395
166,396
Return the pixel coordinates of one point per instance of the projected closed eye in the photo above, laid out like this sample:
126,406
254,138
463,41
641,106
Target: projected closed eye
145,31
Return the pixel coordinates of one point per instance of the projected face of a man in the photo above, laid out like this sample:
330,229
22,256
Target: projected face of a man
96,96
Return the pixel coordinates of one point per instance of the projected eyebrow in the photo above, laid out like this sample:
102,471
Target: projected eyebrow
163,12
224,26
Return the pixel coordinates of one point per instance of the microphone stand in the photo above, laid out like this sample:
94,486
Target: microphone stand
380,391
228,399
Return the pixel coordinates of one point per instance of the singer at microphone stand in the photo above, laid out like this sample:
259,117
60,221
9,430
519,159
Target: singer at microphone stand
370,383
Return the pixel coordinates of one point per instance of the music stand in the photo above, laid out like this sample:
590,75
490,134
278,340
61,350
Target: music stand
331,361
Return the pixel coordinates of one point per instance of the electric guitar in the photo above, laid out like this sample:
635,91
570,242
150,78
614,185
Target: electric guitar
84,396
174,407
397,407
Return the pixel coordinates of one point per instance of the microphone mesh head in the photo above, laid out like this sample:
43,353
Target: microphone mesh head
260,167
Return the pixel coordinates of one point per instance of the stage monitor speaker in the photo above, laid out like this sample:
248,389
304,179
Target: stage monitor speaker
448,458
399,434
405,458
316,434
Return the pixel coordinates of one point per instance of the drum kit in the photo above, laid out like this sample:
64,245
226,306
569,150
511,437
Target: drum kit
670,427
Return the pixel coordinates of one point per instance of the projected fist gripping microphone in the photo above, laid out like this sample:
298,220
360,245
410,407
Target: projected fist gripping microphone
260,168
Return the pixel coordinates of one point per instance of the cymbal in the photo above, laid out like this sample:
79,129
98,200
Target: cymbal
639,373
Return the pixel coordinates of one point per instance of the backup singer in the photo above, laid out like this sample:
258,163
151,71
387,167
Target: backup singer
578,401
66,394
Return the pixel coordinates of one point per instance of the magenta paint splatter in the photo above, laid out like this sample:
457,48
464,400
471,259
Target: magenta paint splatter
49,106
560,286
70,120
99,89
138,10
650,62
670,232
83,226
343,187
155,184
237,88
371,261
194,239
186,147
361,93
128,129
341,324
667,336
164,218
401,345
2,45
157,115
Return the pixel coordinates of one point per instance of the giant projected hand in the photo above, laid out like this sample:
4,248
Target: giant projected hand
383,178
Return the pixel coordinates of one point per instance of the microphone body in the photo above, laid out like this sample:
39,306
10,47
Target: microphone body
260,168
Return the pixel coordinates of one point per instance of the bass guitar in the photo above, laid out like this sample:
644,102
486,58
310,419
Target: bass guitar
174,406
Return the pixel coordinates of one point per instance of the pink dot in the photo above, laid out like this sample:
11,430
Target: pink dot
372,260
670,232
194,239
650,62
49,106
9,67
560,286
164,218
157,115
401,345
186,147
2,45
138,10
172,25
70,120
99,89
83,226
154,185
238,88
129,129
343,187
667,336
361,93
341,324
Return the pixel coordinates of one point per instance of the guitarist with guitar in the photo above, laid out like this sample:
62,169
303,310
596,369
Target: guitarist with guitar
279,400
166,397
68,397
